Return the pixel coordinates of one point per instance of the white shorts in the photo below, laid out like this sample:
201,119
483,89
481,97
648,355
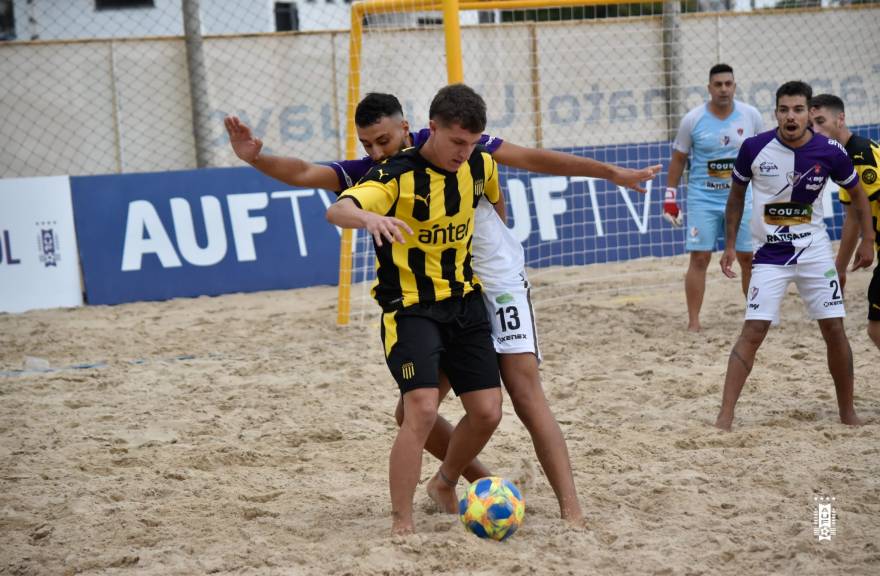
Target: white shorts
817,283
513,320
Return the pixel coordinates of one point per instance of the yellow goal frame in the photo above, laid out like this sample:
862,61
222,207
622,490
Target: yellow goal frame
454,73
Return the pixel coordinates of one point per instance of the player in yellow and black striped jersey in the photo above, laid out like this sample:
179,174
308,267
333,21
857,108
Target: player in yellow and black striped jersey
828,116
419,207
438,206
865,155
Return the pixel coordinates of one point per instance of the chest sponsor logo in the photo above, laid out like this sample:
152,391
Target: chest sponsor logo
450,233
768,168
786,237
720,168
787,213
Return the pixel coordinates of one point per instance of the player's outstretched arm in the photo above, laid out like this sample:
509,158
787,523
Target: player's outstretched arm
291,170
862,211
346,214
732,217
563,164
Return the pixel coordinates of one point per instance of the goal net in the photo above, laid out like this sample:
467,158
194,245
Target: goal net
608,81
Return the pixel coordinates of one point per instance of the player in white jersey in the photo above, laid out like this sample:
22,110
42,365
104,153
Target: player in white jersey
498,261
788,168
711,134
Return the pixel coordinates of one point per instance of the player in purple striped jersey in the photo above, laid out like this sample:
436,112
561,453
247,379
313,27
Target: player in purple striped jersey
788,168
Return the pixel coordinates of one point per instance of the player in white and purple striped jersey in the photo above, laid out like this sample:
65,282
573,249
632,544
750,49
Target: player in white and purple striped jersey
788,168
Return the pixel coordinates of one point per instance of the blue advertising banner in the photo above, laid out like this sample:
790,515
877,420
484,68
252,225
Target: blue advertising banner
200,232
215,231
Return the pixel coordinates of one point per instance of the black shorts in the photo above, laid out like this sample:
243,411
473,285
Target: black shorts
874,294
453,335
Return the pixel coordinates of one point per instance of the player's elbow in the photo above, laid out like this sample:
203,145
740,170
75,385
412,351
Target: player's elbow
333,214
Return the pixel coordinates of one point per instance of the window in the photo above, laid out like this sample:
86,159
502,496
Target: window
122,4
286,16
7,20
486,17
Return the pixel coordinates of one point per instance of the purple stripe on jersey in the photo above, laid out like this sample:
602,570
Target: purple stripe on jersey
814,163
779,253
349,172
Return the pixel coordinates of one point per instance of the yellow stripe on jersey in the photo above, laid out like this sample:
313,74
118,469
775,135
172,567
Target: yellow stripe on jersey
435,262
389,331
865,155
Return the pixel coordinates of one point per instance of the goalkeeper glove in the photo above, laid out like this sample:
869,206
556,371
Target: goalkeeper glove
670,208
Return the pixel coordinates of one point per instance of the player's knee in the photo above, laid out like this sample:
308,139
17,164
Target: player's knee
419,415
486,417
700,260
832,329
754,332
526,396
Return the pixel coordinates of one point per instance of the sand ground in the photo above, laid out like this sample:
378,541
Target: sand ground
248,434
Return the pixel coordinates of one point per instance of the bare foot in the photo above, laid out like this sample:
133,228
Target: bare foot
576,521
851,419
443,495
724,422
401,526
694,327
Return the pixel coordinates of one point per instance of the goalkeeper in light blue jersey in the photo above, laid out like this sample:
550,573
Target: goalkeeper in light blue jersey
711,135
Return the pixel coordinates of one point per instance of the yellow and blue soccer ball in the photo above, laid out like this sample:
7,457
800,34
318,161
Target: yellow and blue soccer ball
492,508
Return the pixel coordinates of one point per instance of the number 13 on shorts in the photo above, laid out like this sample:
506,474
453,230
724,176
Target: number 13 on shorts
513,320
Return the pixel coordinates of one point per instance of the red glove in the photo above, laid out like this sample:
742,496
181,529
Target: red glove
671,213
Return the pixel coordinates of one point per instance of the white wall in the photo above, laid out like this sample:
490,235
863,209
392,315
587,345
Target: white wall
68,19
124,106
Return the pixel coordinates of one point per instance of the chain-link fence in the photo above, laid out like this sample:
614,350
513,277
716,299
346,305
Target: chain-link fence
109,86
